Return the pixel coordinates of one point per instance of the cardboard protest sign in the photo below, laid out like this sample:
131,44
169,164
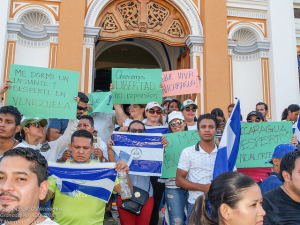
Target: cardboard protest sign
101,102
258,141
136,86
177,142
180,82
43,92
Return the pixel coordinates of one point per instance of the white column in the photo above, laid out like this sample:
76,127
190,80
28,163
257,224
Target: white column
4,13
283,56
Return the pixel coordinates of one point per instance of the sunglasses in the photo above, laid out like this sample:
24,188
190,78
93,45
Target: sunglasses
189,109
152,111
81,108
252,120
37,125
137,130
178,122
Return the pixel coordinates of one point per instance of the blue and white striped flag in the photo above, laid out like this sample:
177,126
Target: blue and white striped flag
142,152
296,129
230,142
157,129
94,179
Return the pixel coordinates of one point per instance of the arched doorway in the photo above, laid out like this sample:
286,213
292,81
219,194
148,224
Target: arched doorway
170,31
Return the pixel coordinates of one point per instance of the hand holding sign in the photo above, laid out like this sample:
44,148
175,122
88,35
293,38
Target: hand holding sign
101,102
180,82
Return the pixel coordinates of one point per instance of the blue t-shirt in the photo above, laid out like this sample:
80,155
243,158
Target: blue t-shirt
271,182
59,124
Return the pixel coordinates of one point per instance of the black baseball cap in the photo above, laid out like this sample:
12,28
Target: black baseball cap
255,113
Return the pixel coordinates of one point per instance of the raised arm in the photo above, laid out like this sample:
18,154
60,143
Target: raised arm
120,114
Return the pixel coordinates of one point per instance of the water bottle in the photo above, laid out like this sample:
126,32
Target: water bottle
125,189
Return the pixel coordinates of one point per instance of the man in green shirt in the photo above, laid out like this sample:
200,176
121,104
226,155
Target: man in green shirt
81,209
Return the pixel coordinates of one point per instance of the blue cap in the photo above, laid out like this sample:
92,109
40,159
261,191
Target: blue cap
281,150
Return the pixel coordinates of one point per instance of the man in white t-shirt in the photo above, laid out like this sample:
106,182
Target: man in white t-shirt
188,109
23,183
196,163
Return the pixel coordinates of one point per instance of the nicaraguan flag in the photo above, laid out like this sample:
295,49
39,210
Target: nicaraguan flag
95,179
142,152
296,129
229,145
157,129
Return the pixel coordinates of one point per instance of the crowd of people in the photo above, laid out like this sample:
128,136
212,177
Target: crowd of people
28,195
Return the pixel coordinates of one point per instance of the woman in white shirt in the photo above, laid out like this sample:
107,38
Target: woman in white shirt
176,198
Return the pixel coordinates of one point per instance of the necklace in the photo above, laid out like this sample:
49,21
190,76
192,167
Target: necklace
13,144
35,219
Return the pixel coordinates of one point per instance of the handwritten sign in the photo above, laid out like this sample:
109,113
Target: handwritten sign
177,142
180,82
136,86
258,141
42,92
101,102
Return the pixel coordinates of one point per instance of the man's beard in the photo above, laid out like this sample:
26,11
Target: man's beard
7,214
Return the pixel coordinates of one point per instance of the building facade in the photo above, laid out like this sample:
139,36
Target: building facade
241,48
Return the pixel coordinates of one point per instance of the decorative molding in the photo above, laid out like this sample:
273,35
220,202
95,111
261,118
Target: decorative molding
55,8
258,46
34,20
18,5
41,38
247,14
92,32
245,37
195,43
251,57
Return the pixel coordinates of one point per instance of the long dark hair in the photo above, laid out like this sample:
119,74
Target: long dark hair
178,103
292,108
226,188
218,112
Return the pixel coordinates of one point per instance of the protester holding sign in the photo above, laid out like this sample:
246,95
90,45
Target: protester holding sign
81,209
176,198
291,113
188,109
10,119
234,198
196,163
274,179
32,130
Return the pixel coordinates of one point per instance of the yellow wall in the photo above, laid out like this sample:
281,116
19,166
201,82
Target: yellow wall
71,34
216,79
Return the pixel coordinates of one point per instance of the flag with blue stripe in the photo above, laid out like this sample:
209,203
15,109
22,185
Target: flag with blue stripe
142,152
229,145
94,179
157,129
296,129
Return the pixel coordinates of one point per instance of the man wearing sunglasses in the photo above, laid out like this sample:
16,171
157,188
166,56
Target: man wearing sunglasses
188,109
255,117
57,127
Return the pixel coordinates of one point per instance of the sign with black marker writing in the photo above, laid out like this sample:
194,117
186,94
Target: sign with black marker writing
43,92
180,82
258,141
136,86
177,142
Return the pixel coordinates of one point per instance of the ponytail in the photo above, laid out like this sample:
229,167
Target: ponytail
284,114
20,136
292,108
199,214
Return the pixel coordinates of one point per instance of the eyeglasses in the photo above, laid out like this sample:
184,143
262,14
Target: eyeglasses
252,120
189,109
152,111
81,108
178,122
137,130
37,125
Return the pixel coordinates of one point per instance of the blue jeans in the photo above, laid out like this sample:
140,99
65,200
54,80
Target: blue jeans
176,199
189,210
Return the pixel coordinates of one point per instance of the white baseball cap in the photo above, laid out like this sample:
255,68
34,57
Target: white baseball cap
151,105
175,115
188,102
